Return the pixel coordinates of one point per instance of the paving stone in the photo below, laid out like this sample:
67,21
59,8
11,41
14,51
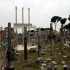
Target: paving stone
42,68
49,49
43,53
68,67
57,48
64,67
63,62
64,56
53,62
49,67
12,67
48,59
59,53
45,68
43,64
45,61
39,59
50,63
45,49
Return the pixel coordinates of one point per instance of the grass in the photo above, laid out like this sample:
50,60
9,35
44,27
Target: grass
32,65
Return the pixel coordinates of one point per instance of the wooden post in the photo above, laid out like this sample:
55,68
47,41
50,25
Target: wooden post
51,38
25,44
39,42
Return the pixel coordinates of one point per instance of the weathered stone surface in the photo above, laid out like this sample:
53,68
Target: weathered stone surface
12,67
49,49
64,67
68,67
63,62
48,59
59,53
53,62
42,68
45,68
55,68
64,56
45,61
39,59
42,53
49,67
50,63
43,64
57,48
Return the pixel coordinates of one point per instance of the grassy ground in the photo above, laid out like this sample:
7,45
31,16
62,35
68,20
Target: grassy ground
32,65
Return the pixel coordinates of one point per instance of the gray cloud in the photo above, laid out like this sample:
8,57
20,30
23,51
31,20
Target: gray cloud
41,11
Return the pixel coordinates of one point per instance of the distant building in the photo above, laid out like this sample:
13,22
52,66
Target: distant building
6,31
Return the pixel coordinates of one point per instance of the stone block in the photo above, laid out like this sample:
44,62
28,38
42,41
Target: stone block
49,59
38,59
43,64
49,67
64,67
12,67
53,62
63,62
42,53
41,68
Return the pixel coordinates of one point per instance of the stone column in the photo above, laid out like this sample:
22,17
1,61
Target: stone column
64,35
51,38
28,15
46,35
16,14
25,43
62,40
22,16
35,36
29,37
39,42
23,37
16,39
9,42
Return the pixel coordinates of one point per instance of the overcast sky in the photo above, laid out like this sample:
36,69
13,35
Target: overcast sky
41,11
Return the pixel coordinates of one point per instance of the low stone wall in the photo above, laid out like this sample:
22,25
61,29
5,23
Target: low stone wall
3,53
